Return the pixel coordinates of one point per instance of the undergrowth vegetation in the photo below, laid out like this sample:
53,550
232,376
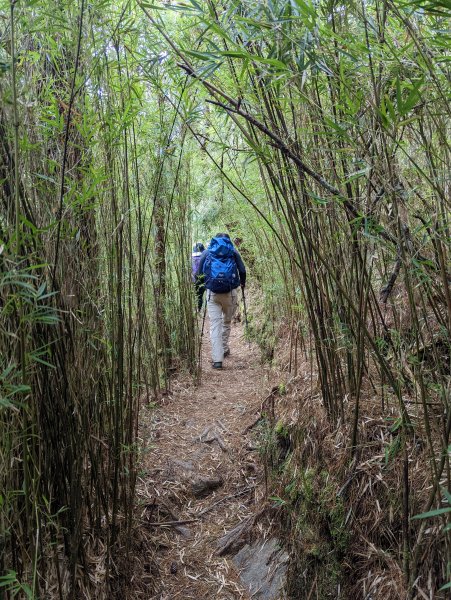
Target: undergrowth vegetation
317,134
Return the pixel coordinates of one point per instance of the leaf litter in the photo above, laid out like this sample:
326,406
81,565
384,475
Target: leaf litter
196,434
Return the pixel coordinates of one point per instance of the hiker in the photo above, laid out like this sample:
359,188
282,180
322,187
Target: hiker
196,254
222,271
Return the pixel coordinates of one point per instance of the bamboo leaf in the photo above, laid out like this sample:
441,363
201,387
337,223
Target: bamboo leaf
203,55
398,95
413,97
254,22
273,62
438,7
318,199
433,513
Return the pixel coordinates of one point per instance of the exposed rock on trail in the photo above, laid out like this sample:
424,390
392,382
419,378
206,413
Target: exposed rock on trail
203,487
263,568
203,492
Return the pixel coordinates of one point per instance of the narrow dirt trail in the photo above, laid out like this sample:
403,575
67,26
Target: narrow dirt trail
198,439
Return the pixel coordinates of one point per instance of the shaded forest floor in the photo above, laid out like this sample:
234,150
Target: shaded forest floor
201,473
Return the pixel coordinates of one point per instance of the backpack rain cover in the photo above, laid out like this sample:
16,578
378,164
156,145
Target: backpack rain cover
221,273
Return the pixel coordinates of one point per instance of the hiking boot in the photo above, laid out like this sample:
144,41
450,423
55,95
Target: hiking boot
217,365
226,352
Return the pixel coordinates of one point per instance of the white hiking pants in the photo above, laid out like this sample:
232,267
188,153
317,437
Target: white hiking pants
221,308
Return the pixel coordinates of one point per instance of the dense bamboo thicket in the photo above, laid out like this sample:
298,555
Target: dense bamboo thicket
94,199
317,133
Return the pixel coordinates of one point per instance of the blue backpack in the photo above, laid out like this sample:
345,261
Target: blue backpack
221,274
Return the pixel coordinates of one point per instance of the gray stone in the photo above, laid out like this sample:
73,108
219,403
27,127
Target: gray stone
184,531
202,487
263,566
185,465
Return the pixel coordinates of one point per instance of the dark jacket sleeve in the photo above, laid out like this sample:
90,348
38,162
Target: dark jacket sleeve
241,268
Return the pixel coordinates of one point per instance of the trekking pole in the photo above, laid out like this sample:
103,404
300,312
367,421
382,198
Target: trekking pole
199,358
246,324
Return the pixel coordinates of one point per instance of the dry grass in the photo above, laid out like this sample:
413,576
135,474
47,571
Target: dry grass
370,488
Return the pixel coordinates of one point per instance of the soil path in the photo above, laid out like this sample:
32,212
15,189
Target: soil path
198,436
